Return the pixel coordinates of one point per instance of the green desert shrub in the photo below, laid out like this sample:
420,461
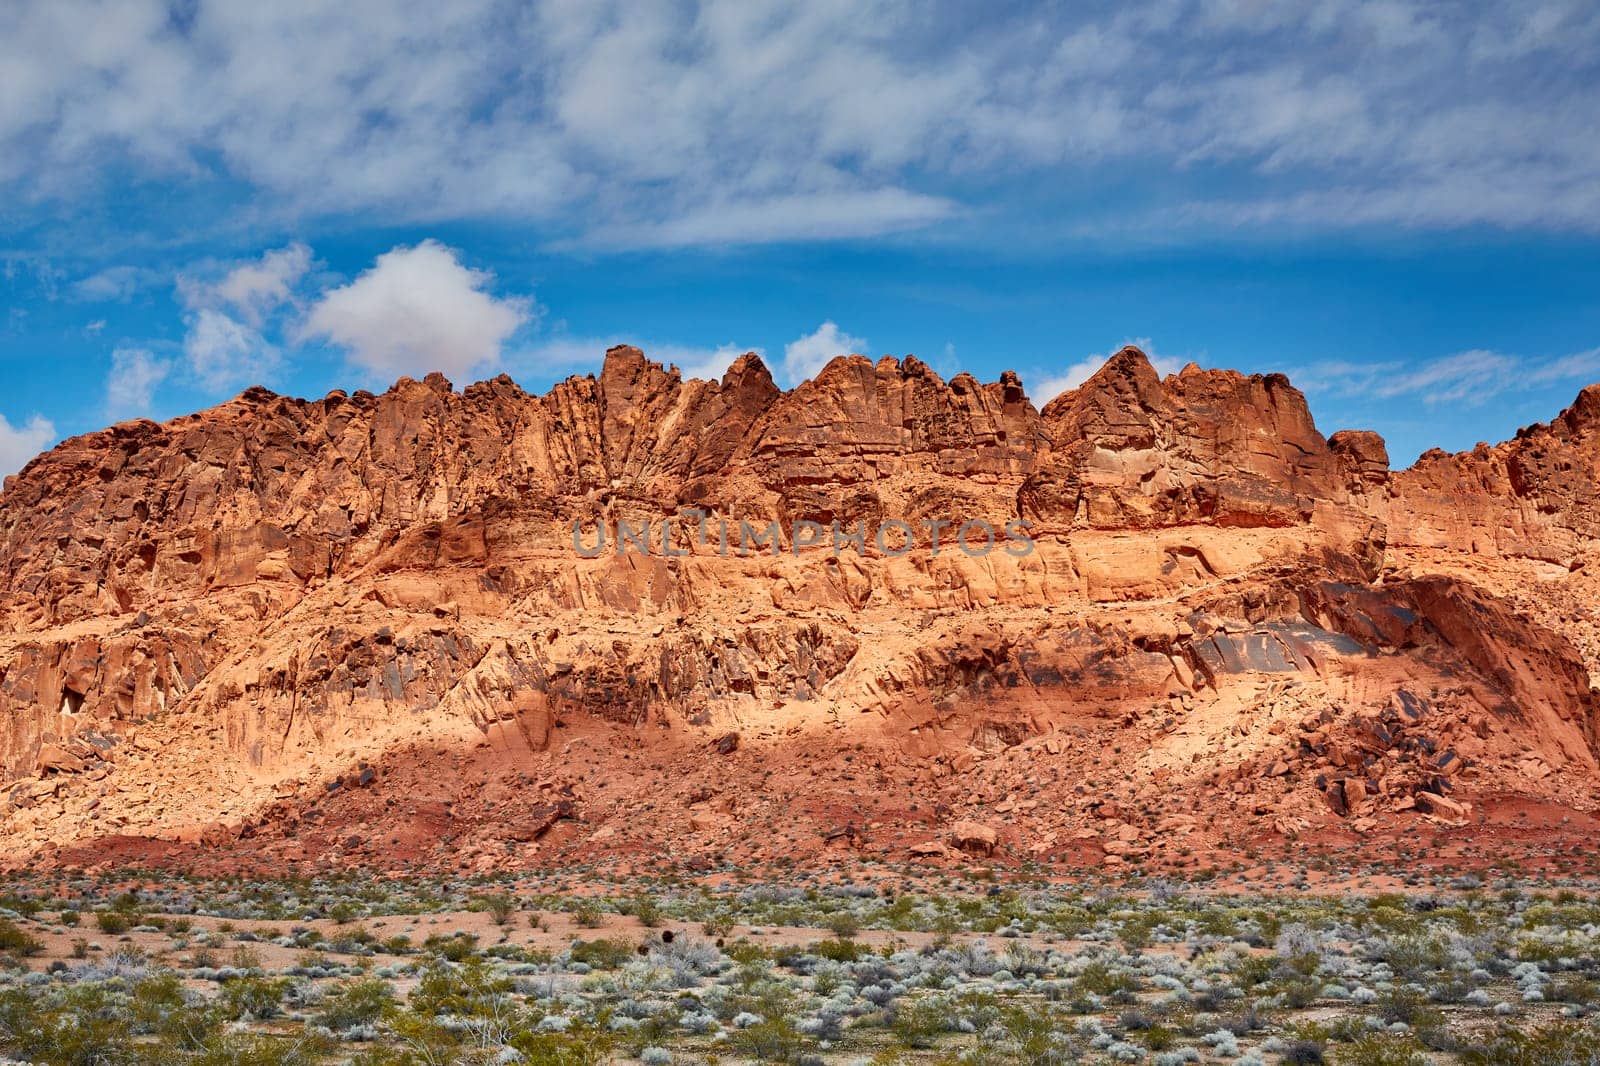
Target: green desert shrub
355,1003
1382,1049
455,948
262,1049
14,940
770,1040
500,906
1563,1044
648,910
919,1023
111,923
843,925
588,914
840,950
83,1029
607,953
256,997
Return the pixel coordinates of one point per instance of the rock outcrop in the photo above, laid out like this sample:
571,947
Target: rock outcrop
279,625
1532,497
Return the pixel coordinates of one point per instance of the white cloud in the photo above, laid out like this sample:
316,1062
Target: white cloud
1466,376
227,354
18,444
21,268
114,284
136,373
723,121
812,216
1579,366
560,354
258,288
706,363
251,290
1052,385
805,356
227,318
1466,379
418,310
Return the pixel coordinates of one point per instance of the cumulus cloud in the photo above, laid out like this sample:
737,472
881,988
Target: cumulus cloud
18,444
804,357
1052,385
721,121
136,373
417,310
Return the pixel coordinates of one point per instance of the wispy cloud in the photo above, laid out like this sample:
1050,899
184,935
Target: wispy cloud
225,353
706,363
254,289
136,373
722,122
115,284
227,317
804,217
1466,379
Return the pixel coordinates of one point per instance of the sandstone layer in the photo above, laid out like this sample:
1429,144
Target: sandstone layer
363,629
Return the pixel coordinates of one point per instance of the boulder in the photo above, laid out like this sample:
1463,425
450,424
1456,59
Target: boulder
974,837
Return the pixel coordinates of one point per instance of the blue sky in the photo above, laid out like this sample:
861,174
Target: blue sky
1396,204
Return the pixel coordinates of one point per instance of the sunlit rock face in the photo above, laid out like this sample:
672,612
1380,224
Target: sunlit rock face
386,606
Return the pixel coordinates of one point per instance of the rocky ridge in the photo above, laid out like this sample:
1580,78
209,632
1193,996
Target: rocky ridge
357,629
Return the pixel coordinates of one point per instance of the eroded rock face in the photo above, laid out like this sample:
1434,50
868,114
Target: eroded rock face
207,625
1531,497
1205,445
58,691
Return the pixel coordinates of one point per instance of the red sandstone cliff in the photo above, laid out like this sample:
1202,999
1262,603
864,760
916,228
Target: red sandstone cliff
212,629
